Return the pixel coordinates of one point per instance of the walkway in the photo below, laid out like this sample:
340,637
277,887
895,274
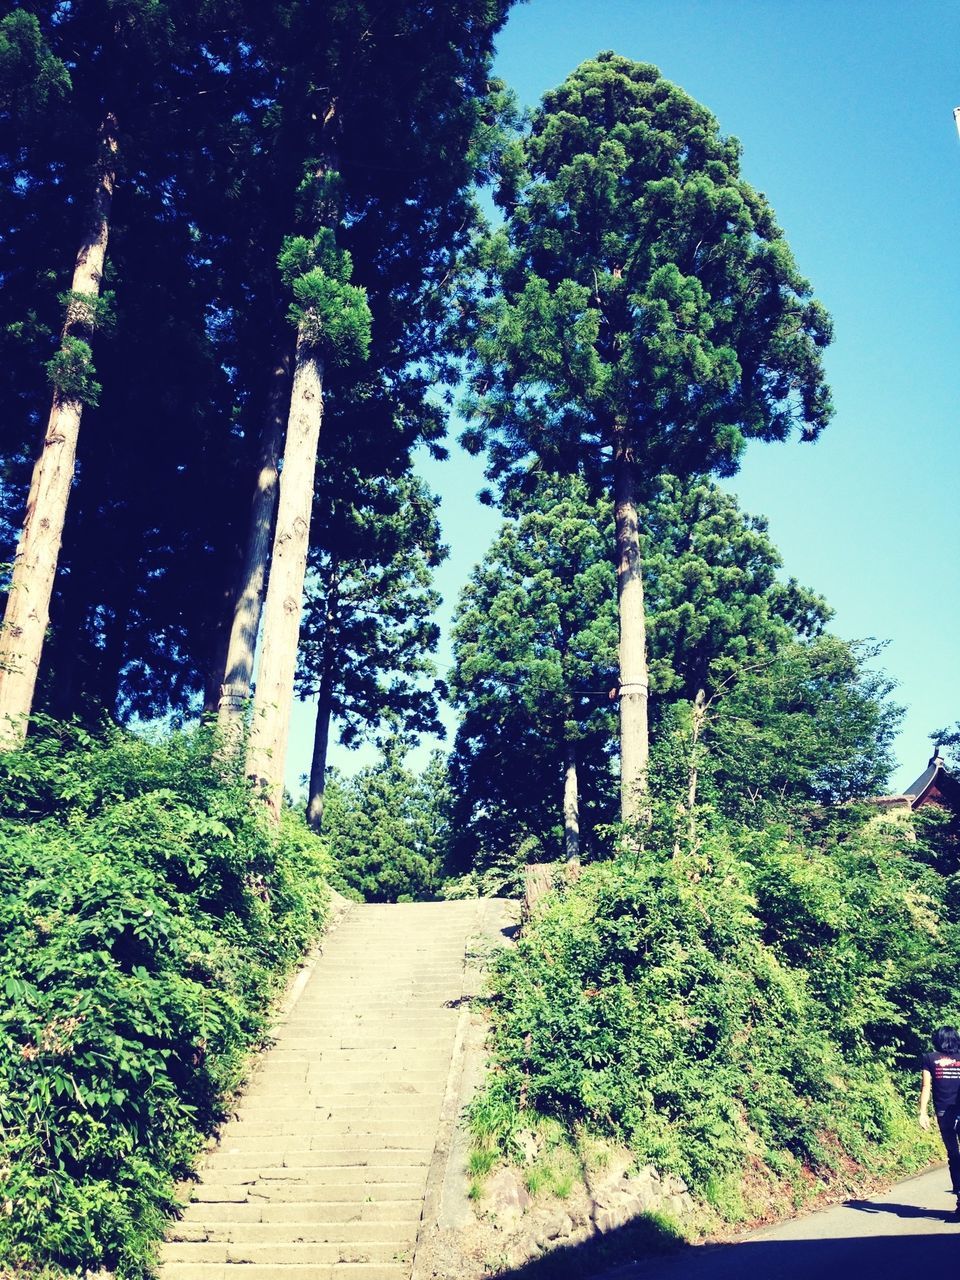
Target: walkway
896,1235
323,1173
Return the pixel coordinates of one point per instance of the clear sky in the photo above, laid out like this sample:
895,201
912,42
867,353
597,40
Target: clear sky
844,109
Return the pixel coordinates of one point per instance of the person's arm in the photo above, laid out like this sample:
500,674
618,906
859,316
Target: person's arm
926,1080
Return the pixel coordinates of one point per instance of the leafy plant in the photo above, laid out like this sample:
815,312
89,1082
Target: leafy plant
149,919
746,1005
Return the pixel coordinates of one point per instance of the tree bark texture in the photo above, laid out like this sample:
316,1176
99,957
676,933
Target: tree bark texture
270,727
699,715
633,687
237,675
571,805
35,564
318,765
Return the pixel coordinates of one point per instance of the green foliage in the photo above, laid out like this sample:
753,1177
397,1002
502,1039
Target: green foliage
745,1005
387,828
715,599
330,313
534,646
300,255
640,294
394,96
368,631
88,311
809,722
32,78
787,714
331,316
71,373
149,919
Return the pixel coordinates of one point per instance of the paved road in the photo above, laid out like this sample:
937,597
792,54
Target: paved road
902,1234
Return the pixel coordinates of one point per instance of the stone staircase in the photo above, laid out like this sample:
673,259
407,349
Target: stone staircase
322,1175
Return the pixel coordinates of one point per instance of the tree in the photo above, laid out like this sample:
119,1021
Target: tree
71,375
534,643
333,321
639,313
386,828
216,195
401,89
368,629
96,75
718,611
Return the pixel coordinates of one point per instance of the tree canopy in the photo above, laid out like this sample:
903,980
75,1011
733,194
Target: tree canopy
639,313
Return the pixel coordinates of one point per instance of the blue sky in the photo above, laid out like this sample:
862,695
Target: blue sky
844,109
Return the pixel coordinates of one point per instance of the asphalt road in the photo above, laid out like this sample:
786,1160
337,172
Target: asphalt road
902,1234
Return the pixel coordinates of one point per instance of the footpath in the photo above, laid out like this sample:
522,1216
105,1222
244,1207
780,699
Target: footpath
342,1135
899,1234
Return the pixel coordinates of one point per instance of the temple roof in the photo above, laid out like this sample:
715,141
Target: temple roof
934,784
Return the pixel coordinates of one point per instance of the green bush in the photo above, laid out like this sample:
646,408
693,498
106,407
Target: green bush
741,1009
147,919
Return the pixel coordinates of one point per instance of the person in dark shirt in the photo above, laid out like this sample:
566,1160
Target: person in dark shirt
940,1078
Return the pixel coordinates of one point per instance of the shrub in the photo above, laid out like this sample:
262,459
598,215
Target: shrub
149,917
707,1008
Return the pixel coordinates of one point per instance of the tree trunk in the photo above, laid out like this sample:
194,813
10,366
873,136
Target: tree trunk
318,766
267,747
241,646
35,563
698,717
634,733
571,805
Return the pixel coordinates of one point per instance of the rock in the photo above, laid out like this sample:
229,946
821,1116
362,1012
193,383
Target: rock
529,1144
580,1215
555,1226
674,1186
644,1189
521,1252
607,1220
506,1195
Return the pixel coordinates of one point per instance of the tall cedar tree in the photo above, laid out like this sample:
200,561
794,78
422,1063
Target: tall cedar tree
88,91
151,554
385,148
368,629
528,678
639,313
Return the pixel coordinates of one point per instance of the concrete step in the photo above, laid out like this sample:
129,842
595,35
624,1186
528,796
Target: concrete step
310,1253
325,1074
321,1173
396,1130
432,1021
412,1110
383,1099
283,1271
264,1146
235,1191
394,1092
400,1234
398,1059
248,1212
369,1040
244,1166
396,1134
